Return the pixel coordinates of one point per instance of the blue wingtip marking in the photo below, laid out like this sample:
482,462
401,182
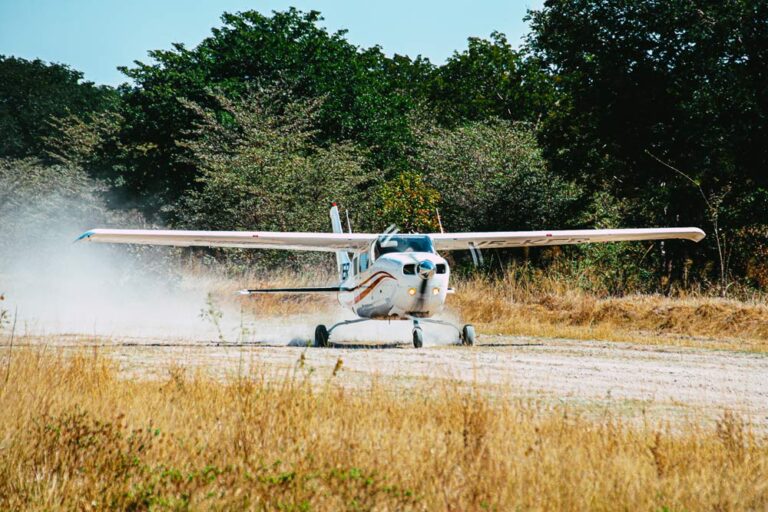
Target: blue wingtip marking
87,234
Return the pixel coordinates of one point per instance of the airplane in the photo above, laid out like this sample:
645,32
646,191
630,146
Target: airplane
385,276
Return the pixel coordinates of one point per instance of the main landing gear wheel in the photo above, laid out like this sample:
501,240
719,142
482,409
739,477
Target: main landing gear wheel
321,336
418,337
468,335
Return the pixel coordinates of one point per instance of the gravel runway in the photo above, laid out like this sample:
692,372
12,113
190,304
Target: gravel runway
633,378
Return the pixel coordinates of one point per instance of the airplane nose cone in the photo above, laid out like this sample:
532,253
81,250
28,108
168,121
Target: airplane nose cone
426,269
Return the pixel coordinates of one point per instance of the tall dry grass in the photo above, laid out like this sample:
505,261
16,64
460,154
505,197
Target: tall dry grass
73,436
555,308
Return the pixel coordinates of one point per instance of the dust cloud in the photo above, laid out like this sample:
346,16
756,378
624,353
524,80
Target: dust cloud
57,286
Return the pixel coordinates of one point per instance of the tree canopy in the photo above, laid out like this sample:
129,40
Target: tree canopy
33,92
644,113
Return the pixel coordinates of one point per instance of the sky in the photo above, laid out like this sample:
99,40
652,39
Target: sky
96,36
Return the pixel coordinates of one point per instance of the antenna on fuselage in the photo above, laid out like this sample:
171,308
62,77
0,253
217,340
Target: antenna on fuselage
349,224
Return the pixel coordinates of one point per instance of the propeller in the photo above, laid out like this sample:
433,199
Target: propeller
425,269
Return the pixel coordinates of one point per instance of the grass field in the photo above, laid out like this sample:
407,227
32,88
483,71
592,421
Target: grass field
74,435
77,433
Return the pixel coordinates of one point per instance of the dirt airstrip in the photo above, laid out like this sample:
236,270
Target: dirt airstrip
637,381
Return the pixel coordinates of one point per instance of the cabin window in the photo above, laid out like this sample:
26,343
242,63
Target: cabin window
364,262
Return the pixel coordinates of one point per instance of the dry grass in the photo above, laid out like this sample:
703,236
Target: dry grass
507,306
75,436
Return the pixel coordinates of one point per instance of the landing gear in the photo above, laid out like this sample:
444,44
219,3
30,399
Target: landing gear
321,336
468,335
418,337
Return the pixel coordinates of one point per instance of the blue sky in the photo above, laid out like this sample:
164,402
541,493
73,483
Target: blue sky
96,36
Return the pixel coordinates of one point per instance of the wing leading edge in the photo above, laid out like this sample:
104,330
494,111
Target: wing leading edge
353,242
492,240
329,242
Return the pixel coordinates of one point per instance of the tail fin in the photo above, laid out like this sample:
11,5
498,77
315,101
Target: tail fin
342,258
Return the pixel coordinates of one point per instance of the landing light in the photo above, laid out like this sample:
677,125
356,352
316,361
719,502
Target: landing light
435,291
411,291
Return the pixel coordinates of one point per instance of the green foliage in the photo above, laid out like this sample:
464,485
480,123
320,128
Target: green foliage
40,190
289,51
681,81
261,168
84,141
408,202
33,92
43,208
615,268
491,79
491,176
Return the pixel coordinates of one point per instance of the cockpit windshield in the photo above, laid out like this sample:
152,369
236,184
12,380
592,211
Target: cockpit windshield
403,243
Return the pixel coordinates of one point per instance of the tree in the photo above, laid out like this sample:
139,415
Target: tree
32,93
262,170
644,87
288,51
491,79
409,203
491,176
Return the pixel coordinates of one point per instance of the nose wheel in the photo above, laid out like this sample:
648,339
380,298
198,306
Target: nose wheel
418,337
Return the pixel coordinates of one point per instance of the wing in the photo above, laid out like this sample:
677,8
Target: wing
330,242
456,241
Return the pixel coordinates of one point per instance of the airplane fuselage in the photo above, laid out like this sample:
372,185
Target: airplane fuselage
396,285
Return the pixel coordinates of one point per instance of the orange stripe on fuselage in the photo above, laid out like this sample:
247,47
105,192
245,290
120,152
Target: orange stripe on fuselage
373,285
380,272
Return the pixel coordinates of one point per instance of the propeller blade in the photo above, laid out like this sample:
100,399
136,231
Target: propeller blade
422,294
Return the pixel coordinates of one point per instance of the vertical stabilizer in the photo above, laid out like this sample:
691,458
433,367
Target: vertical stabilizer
342,258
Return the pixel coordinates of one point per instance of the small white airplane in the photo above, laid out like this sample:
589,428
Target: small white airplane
389,276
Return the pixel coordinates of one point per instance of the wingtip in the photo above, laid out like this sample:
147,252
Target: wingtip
699,235
85,236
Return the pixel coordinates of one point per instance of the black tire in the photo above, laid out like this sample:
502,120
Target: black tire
418,338
321,336
468,335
